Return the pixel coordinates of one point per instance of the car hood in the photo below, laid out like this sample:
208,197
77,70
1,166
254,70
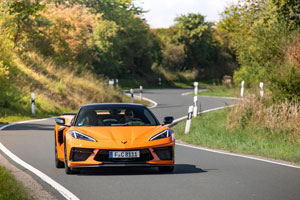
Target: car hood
121,133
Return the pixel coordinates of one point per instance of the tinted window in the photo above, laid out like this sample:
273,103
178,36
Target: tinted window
115,115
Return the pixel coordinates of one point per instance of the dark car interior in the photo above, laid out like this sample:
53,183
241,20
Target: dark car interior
116,116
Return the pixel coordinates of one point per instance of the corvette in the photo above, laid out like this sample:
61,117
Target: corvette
113,134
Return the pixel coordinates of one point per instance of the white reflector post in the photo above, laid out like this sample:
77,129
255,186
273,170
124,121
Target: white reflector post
141,92
195,112
189,119
33,104
242,88
117,83
131,93
111,82
196,88
261,85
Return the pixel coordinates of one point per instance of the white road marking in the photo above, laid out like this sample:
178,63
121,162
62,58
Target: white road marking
62,190
202,112
68,195
151,101
226,153
144,98
187,93
234,98
23,122
179,119
239,155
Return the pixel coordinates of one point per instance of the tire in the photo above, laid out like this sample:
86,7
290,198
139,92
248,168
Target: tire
166,169
68,170
58,163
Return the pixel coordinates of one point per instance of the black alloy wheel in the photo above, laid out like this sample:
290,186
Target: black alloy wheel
58,163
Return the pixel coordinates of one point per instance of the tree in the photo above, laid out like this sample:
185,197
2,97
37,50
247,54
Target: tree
264,34
68,34
22,24
130,40
173,57
196,36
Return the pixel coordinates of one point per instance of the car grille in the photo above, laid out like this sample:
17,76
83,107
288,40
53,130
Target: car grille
80,154
164,153
103,156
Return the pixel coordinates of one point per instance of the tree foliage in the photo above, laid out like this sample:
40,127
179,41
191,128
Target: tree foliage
68,34
193,44
22,22
196,36
260,32
108,37
122,41
131,42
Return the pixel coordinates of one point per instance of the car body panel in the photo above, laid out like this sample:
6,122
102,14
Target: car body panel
112,138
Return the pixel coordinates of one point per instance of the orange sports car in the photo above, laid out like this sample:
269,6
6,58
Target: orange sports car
113,134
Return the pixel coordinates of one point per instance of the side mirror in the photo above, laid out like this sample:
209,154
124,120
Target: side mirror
60,121
168,120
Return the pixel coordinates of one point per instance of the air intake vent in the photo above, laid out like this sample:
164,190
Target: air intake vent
164,153
80,154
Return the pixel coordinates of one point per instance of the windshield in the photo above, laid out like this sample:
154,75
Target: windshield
115,115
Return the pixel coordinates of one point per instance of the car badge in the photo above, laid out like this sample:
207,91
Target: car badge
123,142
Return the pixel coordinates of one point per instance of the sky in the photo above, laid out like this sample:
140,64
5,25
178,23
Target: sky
161,13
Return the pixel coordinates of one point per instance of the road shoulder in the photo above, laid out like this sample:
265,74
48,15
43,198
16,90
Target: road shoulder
35,189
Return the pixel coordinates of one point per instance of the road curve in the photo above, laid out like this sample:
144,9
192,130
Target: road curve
198,174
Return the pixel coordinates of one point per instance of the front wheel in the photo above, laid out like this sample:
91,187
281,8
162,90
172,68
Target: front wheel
68,169
166,169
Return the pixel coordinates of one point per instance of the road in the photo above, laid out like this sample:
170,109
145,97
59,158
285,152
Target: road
198,174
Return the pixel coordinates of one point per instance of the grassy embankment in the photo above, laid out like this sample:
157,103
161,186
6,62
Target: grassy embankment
57,89
220,91
253,127
10,188
169,79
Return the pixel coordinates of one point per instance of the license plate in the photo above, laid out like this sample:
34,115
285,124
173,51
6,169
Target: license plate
124,154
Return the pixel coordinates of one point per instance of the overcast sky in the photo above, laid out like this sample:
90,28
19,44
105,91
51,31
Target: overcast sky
161,13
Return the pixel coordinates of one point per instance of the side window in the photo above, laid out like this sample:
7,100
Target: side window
149,117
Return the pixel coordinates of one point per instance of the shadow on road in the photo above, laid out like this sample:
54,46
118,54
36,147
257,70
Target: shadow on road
28,126
132,171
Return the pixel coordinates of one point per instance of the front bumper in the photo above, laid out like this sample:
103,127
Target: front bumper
162,155
120,165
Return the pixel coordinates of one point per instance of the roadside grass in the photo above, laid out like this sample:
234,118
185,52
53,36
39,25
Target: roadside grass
220,91
10,188
14,118
19,114
211,130
169,79
57,89
126,84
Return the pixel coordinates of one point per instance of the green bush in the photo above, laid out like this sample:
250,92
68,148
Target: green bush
261,34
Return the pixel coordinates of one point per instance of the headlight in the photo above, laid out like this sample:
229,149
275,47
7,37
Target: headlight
81,136
164,134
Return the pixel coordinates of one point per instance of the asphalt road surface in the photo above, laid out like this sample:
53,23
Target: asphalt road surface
198,174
